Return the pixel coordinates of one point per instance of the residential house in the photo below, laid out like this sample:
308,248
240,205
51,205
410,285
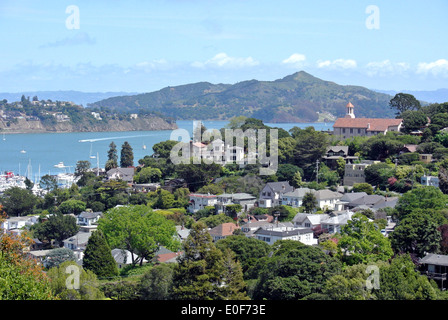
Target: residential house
164,255
271,235
327,199
16,223
246,201
86,218
367,201
308,220
123,258
429,181
78,243
145,187
425,157
272,193
125,174
333,153
251,226
295,197
173,184
354,172
435,267
350,126
223,230
199,201
182,233
347,198
335,222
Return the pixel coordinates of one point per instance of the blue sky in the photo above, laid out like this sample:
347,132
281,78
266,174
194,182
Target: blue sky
142,46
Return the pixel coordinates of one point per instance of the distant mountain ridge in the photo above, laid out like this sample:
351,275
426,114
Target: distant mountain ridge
299,97
432,96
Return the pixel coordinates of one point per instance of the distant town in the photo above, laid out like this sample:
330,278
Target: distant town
353,213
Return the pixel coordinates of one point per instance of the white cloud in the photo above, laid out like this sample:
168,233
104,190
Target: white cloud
439,67
295,59
337,64
386,68
223,60
80,38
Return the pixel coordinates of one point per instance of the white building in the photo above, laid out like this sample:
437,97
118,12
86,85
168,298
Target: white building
272,194
270,236
334,224
199,201
430,181
295,198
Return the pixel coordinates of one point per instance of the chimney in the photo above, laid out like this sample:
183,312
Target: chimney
368,126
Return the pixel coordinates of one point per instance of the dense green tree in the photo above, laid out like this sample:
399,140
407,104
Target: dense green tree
417,233
204,272
112,156
98,256
362,242
58,227
18,202
215,220
294,271
425,198
247,250
198,175
86,279
310,146
286,172
165,199
58,256
309,202
72,206
363,187
163,149
413,120
402,102
48,182
147,175
378,174
82,167
156,283
126,155
139,230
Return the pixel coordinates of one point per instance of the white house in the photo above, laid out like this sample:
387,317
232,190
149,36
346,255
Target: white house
88,218
327,199
308,220
272,193
295,198
271,235
430,181
199,201
246,201
124,257
15,223
334,224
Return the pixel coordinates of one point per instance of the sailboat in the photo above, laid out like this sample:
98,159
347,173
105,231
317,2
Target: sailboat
4,138
91,156
144,147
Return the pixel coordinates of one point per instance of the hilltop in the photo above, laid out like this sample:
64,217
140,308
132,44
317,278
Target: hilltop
299,97
61,116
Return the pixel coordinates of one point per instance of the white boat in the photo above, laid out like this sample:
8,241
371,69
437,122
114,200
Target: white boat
91,156
60,165
144,147
23,151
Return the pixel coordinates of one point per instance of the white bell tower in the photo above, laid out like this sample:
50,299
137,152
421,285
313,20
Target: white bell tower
350,111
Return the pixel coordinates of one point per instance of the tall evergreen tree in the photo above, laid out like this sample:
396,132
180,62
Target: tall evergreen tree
98,256
112,156
204,272
127,155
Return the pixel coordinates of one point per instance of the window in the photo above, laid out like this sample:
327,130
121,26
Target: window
351,130
307,225
343,130
359,130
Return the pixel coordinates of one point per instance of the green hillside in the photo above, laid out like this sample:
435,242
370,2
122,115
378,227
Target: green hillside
295,98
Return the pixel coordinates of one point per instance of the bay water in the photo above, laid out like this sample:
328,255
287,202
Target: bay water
36,154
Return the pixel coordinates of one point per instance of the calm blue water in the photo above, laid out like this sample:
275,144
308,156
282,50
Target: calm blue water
44,150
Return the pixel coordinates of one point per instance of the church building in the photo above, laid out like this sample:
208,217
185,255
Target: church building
350,126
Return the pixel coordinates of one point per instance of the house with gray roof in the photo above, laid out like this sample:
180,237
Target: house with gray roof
308,220
295,197
125,174
246,201
342,203
87,218
124,257
327,199
335,222
272,193
435,267
271,235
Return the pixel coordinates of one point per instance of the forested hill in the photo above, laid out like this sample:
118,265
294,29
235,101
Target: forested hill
299,97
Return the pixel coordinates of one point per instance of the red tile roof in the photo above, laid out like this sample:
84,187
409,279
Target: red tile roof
375,124
224,229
